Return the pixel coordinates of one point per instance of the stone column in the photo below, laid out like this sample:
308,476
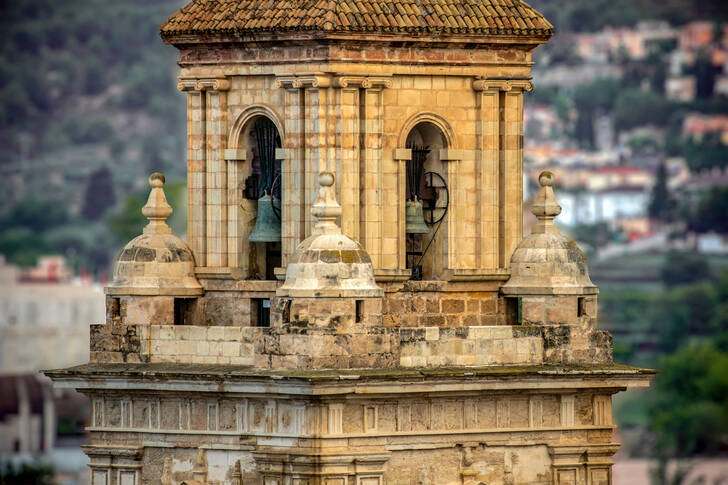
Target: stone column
196,170
216,188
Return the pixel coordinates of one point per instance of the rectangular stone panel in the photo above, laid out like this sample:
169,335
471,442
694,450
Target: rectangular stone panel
99,477
170,414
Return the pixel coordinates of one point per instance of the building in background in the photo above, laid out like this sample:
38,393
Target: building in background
44,323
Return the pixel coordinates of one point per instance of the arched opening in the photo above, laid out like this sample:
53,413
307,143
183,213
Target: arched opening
426,187
261,196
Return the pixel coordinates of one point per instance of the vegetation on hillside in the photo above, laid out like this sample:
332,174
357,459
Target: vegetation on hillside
681,329
580,16
88,108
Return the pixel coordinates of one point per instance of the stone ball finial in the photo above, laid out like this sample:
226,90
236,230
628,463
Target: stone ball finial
544,206
157,209
326,179
546,179
156,180
326,209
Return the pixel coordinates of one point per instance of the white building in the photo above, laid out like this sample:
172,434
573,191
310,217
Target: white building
608,205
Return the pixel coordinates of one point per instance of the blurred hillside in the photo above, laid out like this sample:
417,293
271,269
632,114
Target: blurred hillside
88,108
580,16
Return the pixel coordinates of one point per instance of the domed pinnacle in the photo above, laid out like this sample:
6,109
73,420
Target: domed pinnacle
157,210
544,206
326,209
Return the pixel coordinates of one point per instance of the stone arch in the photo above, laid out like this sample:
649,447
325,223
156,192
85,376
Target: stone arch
256,259
428,251
249,113
431,118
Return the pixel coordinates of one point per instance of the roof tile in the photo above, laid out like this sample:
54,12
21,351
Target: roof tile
509,17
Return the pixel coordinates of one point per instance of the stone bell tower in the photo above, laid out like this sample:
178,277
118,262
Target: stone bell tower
406,102
311,334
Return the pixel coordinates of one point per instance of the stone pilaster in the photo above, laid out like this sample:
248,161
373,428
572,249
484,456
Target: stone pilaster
293,210
216,188
372,199
487,166
458,249
234,157
503,98
196,170
402,156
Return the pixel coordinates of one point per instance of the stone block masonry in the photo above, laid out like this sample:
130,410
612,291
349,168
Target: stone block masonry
300,347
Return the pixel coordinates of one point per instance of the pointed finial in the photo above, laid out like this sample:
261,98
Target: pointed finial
157,210
326,209
544,206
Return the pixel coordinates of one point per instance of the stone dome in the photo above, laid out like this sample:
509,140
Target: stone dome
328,263
156,263
547,262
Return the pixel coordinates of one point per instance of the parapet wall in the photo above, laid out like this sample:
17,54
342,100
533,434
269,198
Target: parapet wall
323,348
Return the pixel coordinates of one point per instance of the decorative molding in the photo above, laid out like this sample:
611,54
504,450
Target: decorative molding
485,84
282,154
235,154
305,81
448,154
364,82
402,154
203,84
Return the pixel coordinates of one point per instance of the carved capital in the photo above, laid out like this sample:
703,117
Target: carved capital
213,84
364,82
203,84
186,84
485,84
305,81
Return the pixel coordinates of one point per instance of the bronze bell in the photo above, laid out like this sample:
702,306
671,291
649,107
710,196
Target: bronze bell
267,226
415,219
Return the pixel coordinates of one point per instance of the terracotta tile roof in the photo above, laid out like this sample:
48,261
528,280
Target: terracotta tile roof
480,17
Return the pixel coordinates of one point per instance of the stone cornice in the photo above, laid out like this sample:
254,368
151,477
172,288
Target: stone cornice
203,84
485,84
304,81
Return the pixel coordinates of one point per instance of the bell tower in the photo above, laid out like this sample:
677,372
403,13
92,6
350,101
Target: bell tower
347,310
417,109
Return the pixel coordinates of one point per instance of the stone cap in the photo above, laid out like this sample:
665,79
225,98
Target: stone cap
547,262
156,263
328,263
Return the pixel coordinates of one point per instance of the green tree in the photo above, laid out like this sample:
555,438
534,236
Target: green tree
710,212
26,474
99,196
690,415
634,107
662,204
679,268
589,100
